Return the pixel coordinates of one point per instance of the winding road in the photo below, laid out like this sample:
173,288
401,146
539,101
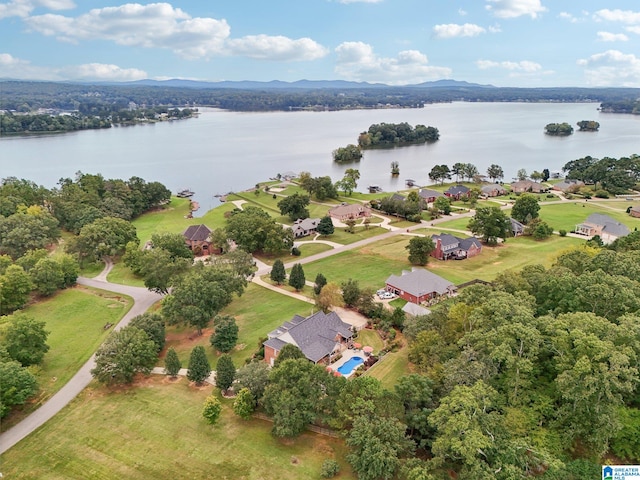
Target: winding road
142,300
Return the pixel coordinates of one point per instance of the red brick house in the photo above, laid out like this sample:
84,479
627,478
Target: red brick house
450,247
456,192
635,211
198,239
419,285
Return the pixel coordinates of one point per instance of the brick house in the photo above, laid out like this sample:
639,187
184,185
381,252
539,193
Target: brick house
527,186
429,196
635,211
350,212
198,239
318,336
493,190
456,192
450,247
419,285
602,225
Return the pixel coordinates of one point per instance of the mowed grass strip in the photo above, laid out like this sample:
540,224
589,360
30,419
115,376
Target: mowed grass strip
155,430
390,368
569,214
75,319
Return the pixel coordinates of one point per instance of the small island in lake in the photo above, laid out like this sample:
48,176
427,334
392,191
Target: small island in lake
558,129
385,135
588,125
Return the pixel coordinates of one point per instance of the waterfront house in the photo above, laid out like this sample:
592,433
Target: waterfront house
319,337
635,211
198,239
304,227
527,186
493,190
456,192
350,212
419,285
429,196
568,186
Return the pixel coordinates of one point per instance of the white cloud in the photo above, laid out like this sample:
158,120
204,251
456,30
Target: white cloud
101,71
612,37
635,29
22,8
567,16
495,29
160,25
12,67
276,48
515,8
522,66
612,68
623,16
357,61
462,13
453,30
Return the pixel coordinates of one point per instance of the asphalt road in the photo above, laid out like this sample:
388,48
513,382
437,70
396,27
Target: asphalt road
142,298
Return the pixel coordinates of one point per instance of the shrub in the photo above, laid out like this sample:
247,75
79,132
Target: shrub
562,232
550,195
295,251
602,194
330,468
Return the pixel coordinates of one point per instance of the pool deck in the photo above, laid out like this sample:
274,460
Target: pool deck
346,356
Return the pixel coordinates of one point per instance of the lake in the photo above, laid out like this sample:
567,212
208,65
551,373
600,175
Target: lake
221,151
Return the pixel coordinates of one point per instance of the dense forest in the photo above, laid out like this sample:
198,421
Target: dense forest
26,97
396,134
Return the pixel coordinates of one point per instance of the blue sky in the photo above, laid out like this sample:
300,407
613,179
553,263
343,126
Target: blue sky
528,43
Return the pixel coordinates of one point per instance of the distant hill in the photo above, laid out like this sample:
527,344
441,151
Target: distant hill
299,84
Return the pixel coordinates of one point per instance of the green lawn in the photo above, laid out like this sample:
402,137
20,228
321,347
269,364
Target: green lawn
155,430
567,215
75,319
391,367
371,338
372,264
360,233
306,250
170,218
257,312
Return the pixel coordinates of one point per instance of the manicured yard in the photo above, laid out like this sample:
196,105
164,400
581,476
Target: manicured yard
170,218
257,312
75,319
155,430
371,338
567,215
391,367
306,250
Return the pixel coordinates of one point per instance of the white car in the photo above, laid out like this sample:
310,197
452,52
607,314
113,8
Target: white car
387,296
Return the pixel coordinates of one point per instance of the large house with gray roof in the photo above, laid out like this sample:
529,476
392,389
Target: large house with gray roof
419,285
304,227
449,247
319,337
198,239
428,195
604,226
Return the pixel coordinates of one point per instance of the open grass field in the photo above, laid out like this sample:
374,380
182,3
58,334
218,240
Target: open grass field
155,430
306,250
568,214
75,319
257,312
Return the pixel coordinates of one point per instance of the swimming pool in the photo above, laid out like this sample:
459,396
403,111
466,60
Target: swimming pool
350,365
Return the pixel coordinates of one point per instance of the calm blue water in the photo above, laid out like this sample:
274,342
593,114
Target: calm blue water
224,151
350,365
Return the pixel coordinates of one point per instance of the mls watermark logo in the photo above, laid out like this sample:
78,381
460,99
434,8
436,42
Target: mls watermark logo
621,472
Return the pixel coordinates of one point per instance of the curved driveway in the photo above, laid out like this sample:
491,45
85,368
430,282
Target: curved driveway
142,300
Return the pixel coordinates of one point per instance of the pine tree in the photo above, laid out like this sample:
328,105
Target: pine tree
321,281
172,364
278,273
225,373
199,367
296,277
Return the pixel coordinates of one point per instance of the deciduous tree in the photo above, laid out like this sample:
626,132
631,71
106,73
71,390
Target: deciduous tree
294,206
225,335
244,404
419,250
17,384
123,354
325,226
211,409
26,339
490,223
